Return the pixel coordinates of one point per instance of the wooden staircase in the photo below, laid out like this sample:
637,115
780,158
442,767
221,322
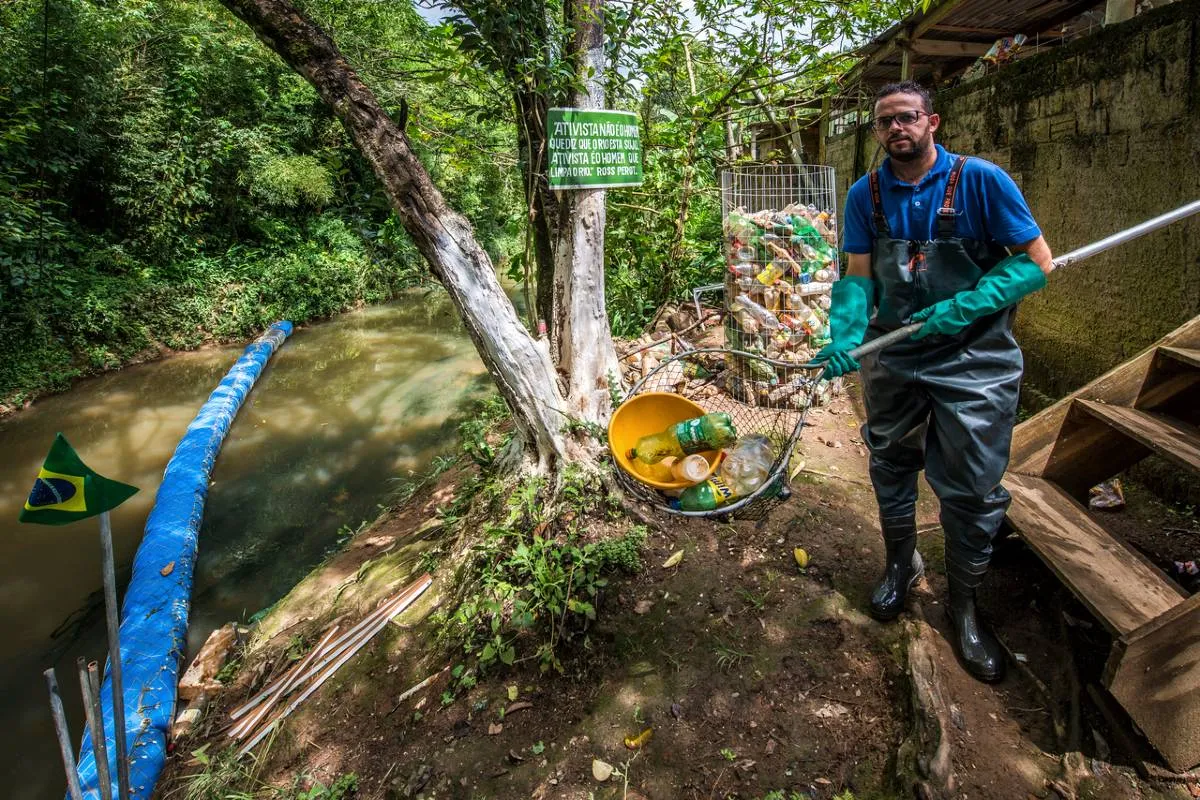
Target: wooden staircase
1148,405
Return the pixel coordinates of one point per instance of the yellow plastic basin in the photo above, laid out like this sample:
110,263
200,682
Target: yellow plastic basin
652,412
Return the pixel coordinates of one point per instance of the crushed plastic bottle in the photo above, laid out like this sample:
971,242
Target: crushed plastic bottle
747,464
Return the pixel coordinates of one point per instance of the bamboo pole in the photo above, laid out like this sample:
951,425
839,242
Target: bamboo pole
114,654
64,738
89,684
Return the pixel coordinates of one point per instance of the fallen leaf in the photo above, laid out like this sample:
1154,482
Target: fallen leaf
675,558
167,570
796,470
513,692
643,606
494,728
824,781
515,757
831,711
521,706
770,748
637,742
801,557
601,770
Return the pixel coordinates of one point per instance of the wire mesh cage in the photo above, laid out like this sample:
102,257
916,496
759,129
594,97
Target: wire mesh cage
780,227
772,403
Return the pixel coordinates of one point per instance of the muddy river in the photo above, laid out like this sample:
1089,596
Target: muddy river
345,412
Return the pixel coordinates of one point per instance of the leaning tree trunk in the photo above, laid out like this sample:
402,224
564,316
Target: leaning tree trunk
520,365
581,333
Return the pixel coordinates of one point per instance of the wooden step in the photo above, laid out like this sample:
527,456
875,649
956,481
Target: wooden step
1182,355
1154,672
1176,440
1115,583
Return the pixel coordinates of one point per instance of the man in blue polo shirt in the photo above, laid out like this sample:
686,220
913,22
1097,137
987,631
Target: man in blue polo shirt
949,241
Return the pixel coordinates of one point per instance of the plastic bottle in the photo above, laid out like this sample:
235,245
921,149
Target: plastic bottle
747,464
691,469
660,472
761,315
705,496
771,273
710,432
744,269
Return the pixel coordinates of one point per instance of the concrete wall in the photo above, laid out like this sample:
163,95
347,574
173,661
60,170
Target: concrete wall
1100,135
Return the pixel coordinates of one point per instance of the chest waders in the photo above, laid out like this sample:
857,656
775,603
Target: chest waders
946,404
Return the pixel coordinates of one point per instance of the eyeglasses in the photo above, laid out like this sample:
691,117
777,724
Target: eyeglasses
904,118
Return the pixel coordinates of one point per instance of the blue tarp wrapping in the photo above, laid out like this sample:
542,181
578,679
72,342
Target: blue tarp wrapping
155,613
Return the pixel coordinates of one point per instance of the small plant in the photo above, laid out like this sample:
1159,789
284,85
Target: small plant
728,754
228,672
537,749
755,600
344,787
728,657
615,393
586,427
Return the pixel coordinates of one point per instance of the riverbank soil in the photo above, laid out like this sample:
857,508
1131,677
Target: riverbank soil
753,676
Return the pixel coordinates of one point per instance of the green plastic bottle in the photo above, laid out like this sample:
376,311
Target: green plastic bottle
710,432
706,496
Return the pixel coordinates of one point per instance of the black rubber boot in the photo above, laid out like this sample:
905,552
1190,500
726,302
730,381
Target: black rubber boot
975,646
903,568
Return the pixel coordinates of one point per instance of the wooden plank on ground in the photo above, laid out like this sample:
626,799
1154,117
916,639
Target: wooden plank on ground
1119,588
1175,440
1154,672
1033,440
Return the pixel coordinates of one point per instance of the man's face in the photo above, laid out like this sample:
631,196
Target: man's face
905,142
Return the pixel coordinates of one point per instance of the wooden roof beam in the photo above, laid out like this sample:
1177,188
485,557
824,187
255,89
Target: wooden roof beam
952,49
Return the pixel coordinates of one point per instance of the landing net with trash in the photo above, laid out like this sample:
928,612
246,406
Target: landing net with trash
710,431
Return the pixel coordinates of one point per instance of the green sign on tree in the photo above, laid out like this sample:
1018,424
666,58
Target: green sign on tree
593,149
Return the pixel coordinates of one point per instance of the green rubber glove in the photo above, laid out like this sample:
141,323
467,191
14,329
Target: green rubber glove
1005,284
849,313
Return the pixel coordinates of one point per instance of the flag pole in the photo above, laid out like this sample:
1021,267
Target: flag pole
64,738
114,654
89,682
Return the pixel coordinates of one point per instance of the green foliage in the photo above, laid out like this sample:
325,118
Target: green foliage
178,184
535,593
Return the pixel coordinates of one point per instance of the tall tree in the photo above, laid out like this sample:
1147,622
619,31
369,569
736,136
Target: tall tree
521,365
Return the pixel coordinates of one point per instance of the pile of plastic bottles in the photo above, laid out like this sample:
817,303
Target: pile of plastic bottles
673,455
782,265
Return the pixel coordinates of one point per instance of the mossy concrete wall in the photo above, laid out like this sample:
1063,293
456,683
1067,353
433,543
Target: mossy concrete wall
1100,134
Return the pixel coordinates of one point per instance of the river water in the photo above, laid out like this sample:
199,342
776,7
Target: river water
345,411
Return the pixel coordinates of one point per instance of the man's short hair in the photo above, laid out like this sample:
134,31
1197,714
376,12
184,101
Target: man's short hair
907,87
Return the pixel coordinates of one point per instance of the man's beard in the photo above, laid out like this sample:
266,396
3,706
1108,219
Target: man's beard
919,149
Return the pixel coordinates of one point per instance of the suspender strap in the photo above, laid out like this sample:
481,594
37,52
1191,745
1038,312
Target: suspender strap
946,216
881,225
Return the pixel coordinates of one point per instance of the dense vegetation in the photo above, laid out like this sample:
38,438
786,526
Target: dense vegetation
194,187
165,180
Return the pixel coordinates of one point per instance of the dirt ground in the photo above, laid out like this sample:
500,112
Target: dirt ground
753,675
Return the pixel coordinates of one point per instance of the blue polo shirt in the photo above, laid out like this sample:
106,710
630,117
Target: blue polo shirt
989,204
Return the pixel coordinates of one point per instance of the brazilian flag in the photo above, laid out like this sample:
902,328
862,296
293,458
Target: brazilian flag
66,490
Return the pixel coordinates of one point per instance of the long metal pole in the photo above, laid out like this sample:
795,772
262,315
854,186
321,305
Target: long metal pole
89,684
114,654
64,738
1087,251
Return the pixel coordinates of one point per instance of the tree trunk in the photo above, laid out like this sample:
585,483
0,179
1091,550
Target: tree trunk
520,365
541,204
582,337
